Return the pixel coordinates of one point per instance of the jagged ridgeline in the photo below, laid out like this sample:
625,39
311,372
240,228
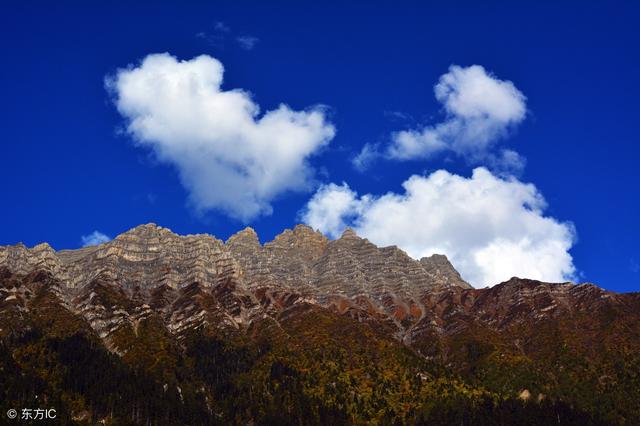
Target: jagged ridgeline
157,328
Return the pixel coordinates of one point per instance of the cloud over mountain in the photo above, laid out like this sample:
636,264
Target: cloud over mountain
95,238
491,228
480,110
229,155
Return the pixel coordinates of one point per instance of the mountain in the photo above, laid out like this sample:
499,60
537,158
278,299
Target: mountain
157,328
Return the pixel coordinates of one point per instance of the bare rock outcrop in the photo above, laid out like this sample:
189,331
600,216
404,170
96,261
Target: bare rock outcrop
192,281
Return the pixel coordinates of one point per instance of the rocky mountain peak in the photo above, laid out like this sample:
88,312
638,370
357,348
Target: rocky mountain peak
302,239
43,247
305,231
247,236
147,230
438,259
439,265
349,233
300,258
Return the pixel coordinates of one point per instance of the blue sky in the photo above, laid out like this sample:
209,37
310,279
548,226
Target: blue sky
71,164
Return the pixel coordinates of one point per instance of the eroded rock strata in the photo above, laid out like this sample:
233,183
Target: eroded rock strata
144,295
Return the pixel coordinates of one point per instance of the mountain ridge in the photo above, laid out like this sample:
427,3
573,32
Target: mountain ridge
348,275
149,295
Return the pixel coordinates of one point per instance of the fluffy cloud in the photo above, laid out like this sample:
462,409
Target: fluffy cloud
95,238
332,207
229,156
480,110
491,228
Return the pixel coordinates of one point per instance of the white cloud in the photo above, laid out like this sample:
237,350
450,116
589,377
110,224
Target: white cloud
229,156
491,228
331,207
367,155
506,162
95,238
480,110
247,42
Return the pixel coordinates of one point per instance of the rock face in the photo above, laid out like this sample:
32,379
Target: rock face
198,280
300,259
144,294
151,266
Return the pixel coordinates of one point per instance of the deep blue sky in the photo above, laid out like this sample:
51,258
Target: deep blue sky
65,170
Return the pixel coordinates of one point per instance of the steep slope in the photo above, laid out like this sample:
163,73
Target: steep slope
308,327
305,365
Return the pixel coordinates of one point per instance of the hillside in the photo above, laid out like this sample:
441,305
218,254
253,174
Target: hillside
157,328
